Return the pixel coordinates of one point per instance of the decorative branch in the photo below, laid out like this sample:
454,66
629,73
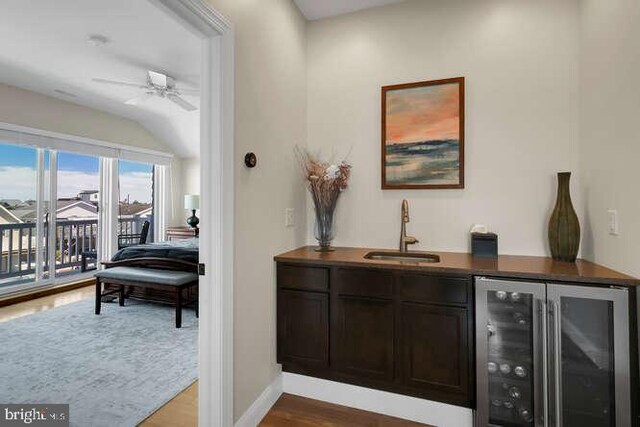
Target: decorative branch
325,181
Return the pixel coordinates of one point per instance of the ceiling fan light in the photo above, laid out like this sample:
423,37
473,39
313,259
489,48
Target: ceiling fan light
159,79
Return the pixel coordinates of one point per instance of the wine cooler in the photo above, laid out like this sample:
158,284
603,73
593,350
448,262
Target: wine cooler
552,355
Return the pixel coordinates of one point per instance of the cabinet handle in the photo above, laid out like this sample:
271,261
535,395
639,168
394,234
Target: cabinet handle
554,360
542,373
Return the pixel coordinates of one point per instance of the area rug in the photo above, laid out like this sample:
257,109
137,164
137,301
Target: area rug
114,369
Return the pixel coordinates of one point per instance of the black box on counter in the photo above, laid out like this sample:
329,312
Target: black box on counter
484,245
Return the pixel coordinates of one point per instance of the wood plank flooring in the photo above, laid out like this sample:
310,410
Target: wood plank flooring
298,411
182,410
45,303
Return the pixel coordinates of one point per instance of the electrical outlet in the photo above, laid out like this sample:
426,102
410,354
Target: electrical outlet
614,223
289,217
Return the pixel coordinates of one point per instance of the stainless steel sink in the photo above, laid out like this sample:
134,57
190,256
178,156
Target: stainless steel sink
414,257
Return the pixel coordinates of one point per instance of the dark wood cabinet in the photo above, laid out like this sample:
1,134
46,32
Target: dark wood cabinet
435,350
362,332
363,337
397,331
436,328
303,328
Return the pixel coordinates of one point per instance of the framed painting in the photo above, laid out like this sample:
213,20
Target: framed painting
423,135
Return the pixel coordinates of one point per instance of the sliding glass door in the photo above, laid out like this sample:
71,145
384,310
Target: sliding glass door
18,214
76,212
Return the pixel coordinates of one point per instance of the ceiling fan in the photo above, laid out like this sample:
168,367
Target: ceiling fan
158,84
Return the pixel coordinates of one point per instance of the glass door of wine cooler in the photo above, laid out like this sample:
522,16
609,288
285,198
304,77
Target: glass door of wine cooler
589,364
510,346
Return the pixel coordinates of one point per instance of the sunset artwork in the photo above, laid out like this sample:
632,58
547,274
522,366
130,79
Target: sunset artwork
423,135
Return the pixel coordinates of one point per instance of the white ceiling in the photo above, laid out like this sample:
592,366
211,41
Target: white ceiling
318,9
44,47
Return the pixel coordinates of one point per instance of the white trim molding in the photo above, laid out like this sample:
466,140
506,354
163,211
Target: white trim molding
215,350
381,402
259,408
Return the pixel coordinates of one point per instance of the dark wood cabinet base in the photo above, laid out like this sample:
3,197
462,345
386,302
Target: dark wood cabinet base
394,331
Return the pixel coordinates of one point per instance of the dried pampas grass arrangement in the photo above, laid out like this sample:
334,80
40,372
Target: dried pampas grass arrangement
325,181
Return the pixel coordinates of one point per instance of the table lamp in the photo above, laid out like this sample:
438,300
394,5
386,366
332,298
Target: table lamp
192,202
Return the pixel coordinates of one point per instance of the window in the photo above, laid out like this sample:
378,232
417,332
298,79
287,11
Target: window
58,202
135,200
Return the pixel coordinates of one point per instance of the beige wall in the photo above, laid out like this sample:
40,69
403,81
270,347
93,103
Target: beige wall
609,131
26,108
270,119
520,61
185,180
319,83
191,176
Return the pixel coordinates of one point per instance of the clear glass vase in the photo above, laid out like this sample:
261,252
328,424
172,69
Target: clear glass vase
324,230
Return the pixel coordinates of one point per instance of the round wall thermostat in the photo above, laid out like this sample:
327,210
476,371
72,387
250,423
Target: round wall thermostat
250,160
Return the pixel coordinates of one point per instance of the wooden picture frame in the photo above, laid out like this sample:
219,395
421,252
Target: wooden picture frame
423,135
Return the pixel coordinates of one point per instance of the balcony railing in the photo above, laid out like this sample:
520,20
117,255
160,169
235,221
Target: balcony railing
18,246
17,249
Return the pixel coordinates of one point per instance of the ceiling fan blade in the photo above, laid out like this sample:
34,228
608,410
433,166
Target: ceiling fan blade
188,91
139,99
117,83
181,102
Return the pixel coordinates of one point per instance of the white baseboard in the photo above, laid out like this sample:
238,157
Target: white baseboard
261,405
381,402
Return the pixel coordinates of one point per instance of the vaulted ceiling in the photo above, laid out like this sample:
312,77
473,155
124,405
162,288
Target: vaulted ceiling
45,48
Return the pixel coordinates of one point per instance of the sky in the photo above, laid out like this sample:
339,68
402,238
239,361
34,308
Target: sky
426,113
75,174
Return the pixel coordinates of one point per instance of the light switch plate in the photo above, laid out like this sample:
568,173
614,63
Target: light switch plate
289,217
614,222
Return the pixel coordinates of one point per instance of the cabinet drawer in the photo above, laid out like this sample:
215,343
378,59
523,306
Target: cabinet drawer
303,278
362,282
438,289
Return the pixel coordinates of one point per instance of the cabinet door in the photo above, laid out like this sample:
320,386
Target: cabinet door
510,353
303,328
434,348
362,337
589,356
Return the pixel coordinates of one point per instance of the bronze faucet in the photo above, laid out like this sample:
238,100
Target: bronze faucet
404,218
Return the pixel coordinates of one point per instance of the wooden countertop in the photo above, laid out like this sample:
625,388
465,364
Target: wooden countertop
521,267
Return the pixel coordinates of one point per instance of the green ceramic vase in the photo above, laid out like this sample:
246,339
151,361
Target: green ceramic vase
564,227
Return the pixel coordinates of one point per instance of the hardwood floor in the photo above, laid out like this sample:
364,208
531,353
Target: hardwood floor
298,411
45,303
182,410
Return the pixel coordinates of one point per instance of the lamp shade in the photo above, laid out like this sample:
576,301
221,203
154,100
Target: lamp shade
191,201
